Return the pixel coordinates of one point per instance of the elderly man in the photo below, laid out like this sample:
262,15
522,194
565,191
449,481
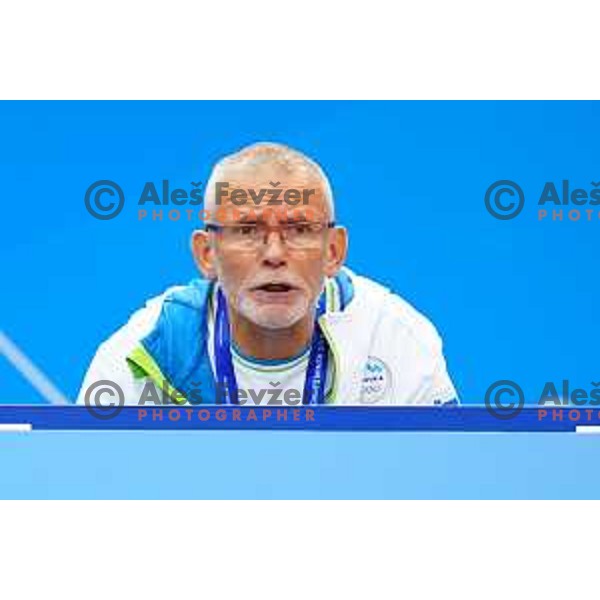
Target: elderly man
277,318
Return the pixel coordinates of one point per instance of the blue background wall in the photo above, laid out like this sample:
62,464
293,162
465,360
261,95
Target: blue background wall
512,299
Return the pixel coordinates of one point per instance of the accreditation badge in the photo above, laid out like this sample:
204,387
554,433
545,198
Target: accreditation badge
376,381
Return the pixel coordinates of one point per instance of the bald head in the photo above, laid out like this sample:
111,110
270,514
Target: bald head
265,162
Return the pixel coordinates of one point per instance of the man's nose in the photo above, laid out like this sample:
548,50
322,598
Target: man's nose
274,252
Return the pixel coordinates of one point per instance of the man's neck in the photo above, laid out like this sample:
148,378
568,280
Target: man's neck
271,344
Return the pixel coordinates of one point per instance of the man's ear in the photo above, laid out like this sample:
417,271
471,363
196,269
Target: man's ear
203,253
337,248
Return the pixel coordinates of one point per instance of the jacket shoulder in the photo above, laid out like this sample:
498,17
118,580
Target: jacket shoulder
398,316
146,319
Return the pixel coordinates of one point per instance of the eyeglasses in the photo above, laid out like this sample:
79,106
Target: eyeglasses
298,235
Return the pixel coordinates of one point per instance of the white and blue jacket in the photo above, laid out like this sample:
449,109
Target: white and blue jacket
382,351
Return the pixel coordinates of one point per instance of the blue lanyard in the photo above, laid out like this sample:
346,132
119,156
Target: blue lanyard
316,371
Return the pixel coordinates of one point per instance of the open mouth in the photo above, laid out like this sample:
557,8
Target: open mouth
275,292
275,287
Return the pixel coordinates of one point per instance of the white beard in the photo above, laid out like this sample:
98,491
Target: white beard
275,316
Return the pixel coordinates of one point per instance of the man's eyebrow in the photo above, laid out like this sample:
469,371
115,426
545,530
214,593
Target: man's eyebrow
296,220
253,218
